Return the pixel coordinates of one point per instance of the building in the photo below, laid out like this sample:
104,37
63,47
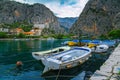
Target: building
16,31
19,30
37,29
29,33
4,29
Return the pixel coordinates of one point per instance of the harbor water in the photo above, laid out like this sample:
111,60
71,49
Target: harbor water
12,51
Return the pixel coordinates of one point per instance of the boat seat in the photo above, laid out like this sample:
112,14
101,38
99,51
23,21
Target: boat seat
66,57
54,51
61,50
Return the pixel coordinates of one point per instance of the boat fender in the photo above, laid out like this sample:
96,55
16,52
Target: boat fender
19,65
90,55
69,66
87,58
80,61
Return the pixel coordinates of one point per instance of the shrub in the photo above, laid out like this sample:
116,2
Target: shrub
59,36
21,35
102,37
3,35
114,34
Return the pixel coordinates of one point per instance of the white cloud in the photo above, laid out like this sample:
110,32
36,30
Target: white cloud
25,1
65,10
22,1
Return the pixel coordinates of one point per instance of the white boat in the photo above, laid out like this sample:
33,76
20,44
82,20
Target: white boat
100,48
65,43
67,59
41,54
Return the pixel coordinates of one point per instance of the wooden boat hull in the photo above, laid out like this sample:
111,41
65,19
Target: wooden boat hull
56,65
41,54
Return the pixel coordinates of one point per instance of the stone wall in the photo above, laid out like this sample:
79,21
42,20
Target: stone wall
110,70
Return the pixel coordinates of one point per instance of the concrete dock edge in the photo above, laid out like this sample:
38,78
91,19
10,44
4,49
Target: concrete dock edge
110,70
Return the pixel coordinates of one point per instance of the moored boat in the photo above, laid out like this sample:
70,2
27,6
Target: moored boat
98,48
39,55
109,43
67,59
71,43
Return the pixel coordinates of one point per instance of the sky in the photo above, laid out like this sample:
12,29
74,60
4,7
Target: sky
61,8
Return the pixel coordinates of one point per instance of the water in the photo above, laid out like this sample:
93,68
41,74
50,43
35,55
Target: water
12,51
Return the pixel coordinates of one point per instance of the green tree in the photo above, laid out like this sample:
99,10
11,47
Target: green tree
26,28
102,36
114,34
58,36
14,25
21,35
24,25
3,35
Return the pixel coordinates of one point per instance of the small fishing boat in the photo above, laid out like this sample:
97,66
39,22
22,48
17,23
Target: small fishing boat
65,42
39,55
71,43
110,43
98,48
66,59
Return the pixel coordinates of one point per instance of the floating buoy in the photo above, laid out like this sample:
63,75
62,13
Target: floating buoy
19,63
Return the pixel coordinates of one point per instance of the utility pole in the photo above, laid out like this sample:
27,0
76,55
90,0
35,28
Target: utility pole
79,32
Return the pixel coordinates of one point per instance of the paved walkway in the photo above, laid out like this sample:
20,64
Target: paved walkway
110,70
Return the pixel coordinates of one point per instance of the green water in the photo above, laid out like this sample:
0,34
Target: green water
12,51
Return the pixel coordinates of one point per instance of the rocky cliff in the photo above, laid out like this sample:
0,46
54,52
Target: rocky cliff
11,11
98,17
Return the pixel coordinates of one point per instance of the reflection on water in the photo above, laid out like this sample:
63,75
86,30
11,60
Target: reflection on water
12,51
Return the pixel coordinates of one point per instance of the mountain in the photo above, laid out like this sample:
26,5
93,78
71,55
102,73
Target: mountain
67,22
11,12
98,17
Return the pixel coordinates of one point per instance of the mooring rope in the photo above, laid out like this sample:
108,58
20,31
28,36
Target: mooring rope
58,72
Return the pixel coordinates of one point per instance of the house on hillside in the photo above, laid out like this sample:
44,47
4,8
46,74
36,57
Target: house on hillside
16,31
19,30
37,29
12,31
4,29
29,33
